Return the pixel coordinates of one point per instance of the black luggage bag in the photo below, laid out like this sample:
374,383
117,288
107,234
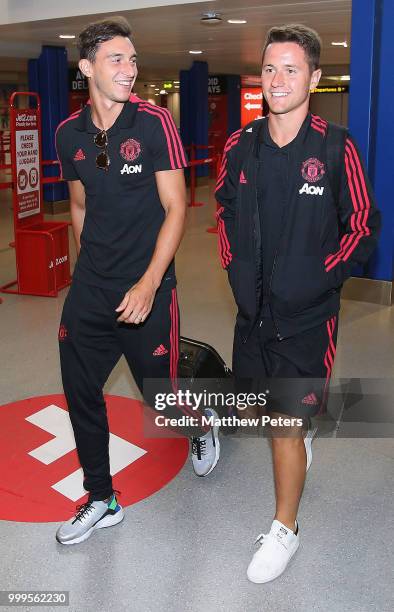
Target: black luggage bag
199,360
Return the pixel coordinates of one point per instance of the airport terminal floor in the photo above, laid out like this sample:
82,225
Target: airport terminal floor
186,547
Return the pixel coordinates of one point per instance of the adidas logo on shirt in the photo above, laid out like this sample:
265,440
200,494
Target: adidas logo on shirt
79,155
311,189
242,178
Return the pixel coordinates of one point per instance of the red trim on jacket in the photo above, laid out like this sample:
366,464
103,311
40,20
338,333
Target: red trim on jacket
319,124
231,142
361,206
223,242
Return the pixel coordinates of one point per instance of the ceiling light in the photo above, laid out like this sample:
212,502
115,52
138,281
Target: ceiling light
151,85
157,88
176,82
176,86
211,18
237,21
339,44
66,35
163,92
195,52
345,77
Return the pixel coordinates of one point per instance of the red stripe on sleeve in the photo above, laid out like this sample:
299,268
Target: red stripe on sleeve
148,110
357,162
70,118
224,244
318,128
232,141
222,169
174,145
361,205
319,121
176,141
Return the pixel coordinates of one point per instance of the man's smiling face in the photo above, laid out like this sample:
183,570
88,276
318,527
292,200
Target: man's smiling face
287,77
114,70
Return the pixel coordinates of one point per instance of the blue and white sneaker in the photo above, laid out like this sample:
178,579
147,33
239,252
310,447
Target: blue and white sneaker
89,517
206,449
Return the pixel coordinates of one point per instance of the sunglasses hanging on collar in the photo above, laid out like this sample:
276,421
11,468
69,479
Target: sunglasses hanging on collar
102,160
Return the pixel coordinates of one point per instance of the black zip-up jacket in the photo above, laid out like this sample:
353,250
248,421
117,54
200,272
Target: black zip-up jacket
322,235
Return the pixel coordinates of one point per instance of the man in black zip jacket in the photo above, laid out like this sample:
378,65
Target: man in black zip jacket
296,213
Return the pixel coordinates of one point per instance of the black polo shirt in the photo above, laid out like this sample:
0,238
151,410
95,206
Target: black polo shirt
277,166
123,209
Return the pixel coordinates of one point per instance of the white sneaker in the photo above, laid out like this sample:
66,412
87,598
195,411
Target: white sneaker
276,550
206,449
310,434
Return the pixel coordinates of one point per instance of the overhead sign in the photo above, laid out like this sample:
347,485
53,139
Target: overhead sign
77,80
27,162
251,104
331,89
217,84
40,476
78,88
250,80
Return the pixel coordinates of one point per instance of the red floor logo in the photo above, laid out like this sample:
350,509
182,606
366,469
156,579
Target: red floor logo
40,477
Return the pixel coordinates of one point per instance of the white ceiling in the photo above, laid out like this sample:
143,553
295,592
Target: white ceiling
163,35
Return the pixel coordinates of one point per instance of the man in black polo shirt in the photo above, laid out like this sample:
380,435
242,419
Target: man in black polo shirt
297,212
123,160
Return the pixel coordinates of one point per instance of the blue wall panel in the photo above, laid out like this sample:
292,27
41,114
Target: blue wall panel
234,103
48,77
370,114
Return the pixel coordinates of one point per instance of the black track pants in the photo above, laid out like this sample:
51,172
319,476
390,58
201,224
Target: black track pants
91,343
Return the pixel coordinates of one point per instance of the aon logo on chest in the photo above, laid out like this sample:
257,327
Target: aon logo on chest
136,169
311,189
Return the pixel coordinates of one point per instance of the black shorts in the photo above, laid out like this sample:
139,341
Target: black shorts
295,371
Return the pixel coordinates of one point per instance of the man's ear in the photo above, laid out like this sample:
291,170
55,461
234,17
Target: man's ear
85,67
315,78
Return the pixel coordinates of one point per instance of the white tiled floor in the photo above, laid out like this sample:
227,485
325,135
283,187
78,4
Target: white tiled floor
187,547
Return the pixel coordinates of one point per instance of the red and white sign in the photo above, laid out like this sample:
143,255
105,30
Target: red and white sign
251,104
27,162
40,476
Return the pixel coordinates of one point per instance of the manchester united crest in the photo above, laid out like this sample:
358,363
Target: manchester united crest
312,170
130,149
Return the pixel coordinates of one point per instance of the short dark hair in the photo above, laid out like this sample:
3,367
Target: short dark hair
305,37
100,31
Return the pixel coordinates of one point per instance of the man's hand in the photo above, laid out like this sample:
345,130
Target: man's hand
137,302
